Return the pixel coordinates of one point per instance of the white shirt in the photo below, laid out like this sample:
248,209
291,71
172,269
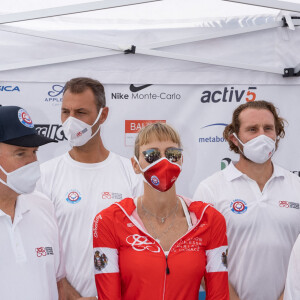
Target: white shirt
262,227
292,286
30,259
79,191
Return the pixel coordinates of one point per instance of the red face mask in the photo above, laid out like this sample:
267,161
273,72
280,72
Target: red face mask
162,174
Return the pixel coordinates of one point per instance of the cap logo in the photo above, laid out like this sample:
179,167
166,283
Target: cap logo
24,118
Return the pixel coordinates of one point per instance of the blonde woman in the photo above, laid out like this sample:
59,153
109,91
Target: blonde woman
160,245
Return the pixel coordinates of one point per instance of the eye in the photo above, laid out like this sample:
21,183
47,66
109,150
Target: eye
173,154
20,154
151,155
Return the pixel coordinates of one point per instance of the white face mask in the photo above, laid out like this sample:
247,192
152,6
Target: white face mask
78,132
259,149
24,179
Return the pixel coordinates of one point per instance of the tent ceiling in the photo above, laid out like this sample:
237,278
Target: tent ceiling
146,15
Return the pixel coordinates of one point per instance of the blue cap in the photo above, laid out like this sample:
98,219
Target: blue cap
17,128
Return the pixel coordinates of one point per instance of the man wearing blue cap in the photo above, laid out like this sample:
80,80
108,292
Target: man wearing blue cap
30,247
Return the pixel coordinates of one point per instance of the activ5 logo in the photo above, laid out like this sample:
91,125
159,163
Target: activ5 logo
55,94
214,135
229,95
132,128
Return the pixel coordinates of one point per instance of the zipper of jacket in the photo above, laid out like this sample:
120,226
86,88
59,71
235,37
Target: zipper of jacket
167,267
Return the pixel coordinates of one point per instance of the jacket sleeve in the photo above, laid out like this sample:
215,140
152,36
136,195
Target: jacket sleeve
106,265
216,274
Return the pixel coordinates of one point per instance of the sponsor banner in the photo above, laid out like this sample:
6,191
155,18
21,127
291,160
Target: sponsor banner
132,128
198,112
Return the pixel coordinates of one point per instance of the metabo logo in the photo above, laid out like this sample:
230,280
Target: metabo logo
229,95
55,94
53,131
9,88
216,137
225,162
138,93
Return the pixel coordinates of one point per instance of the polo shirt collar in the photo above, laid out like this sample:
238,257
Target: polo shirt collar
22,205
231,172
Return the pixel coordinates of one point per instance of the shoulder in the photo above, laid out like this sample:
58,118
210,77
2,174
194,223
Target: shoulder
205,209
209,186
288,175
38,202
114,213
214,178
125,206
120,159
52,163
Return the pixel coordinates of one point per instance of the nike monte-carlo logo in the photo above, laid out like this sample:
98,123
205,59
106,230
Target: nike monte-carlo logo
135,89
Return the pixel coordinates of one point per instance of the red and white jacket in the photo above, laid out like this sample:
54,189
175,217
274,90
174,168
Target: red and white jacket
131,265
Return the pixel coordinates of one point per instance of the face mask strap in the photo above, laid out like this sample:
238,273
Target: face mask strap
2,169
98,117
235,135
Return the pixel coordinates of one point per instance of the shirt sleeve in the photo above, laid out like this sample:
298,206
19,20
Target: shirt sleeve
292,286
60,262
216,273
106,265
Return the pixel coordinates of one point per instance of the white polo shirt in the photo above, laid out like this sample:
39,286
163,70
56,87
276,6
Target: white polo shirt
262,227
292,285
30,260
79,192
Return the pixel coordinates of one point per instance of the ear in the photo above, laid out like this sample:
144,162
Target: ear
104,114
234,140
135,166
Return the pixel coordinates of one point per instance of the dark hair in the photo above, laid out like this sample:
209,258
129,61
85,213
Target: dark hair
80,84
234,127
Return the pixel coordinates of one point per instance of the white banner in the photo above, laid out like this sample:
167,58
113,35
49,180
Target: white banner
199,112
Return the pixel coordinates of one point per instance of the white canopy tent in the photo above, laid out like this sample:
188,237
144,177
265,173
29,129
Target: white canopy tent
199,60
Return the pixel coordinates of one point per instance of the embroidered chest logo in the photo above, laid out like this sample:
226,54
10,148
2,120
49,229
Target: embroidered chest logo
142,243
100,260
73,196
43,251
194,244
288,204
238,206
110,195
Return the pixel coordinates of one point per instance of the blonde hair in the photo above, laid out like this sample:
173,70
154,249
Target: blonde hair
155,131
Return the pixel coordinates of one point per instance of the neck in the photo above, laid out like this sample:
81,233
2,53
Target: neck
92,152
8,200
261,173
157,202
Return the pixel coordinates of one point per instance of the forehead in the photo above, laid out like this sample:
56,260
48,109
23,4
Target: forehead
86,99
6,148
253,116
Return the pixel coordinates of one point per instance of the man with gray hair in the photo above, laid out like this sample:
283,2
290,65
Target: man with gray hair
84,180
31,265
